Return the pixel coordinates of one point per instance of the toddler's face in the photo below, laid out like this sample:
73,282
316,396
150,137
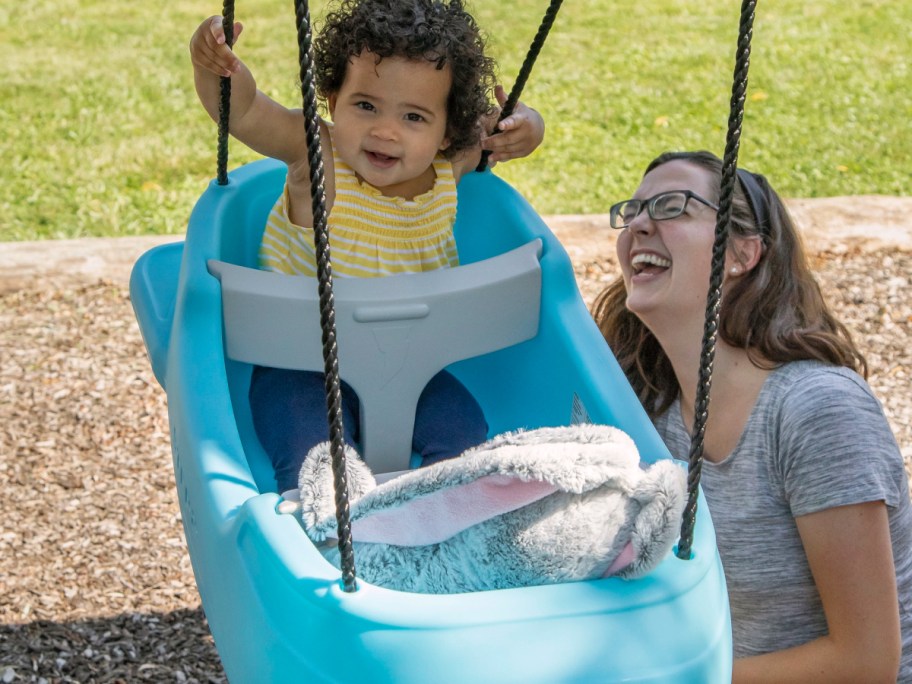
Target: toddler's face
390,121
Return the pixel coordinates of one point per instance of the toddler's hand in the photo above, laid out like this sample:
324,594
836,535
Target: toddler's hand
518,135
209,51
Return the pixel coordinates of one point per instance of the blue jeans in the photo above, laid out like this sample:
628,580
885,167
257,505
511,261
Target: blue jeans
289,415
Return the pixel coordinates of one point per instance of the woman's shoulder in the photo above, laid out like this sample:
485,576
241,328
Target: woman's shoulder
809,378
829,438
810,396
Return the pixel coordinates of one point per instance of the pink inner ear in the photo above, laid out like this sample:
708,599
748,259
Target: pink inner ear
436,517
624,558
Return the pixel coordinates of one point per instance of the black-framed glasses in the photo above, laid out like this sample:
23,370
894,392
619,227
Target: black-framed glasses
664,206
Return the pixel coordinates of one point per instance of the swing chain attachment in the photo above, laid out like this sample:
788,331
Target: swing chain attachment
714,296
524,71
224,98
332,383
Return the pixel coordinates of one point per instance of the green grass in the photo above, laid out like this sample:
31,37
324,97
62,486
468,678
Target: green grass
101,133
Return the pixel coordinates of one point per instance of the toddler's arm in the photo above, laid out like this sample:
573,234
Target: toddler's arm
256,120
518,135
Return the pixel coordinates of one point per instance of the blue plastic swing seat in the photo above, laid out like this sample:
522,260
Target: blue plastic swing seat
275,605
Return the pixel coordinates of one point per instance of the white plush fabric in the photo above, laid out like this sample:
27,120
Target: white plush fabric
525,508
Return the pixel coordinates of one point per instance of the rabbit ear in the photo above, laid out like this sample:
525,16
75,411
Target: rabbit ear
662,494
316,488
437,516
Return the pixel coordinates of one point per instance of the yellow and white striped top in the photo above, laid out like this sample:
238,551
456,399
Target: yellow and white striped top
370,235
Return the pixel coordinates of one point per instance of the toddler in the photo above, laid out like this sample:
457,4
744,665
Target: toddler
406,84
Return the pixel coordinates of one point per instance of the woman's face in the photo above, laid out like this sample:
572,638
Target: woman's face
666,263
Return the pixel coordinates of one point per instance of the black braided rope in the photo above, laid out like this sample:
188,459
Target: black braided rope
714,297
525,70
225,98
327,309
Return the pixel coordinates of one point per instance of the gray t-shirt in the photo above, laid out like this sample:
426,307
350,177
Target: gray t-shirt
817,438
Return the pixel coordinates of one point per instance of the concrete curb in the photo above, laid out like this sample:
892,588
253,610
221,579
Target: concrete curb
831,224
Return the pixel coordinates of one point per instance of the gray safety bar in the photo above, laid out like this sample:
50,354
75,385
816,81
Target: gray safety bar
394,333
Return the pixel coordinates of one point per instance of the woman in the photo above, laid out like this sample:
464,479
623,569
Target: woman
802,474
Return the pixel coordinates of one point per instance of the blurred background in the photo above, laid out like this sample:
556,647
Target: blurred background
101,133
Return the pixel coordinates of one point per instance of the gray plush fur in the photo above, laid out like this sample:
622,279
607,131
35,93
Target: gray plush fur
605,499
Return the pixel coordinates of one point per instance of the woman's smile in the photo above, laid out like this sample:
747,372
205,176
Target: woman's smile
648,263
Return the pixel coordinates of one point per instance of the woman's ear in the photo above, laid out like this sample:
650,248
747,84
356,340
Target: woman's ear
745,253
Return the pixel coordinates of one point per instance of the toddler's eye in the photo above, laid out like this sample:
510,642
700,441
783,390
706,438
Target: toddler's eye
414,117
366,106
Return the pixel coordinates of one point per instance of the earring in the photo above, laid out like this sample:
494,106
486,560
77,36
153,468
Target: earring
734,270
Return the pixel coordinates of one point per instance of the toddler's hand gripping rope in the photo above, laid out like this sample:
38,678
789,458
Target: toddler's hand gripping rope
524,71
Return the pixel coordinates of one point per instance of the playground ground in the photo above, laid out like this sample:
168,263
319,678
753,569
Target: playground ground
95,582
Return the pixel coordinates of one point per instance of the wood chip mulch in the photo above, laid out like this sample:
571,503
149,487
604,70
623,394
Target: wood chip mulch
95,581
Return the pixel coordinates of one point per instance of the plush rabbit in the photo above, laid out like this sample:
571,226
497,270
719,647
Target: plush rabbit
525,508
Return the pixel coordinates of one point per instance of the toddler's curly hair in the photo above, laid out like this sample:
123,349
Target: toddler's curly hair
440,31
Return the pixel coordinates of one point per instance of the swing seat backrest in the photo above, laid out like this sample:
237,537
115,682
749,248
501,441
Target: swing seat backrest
393,333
